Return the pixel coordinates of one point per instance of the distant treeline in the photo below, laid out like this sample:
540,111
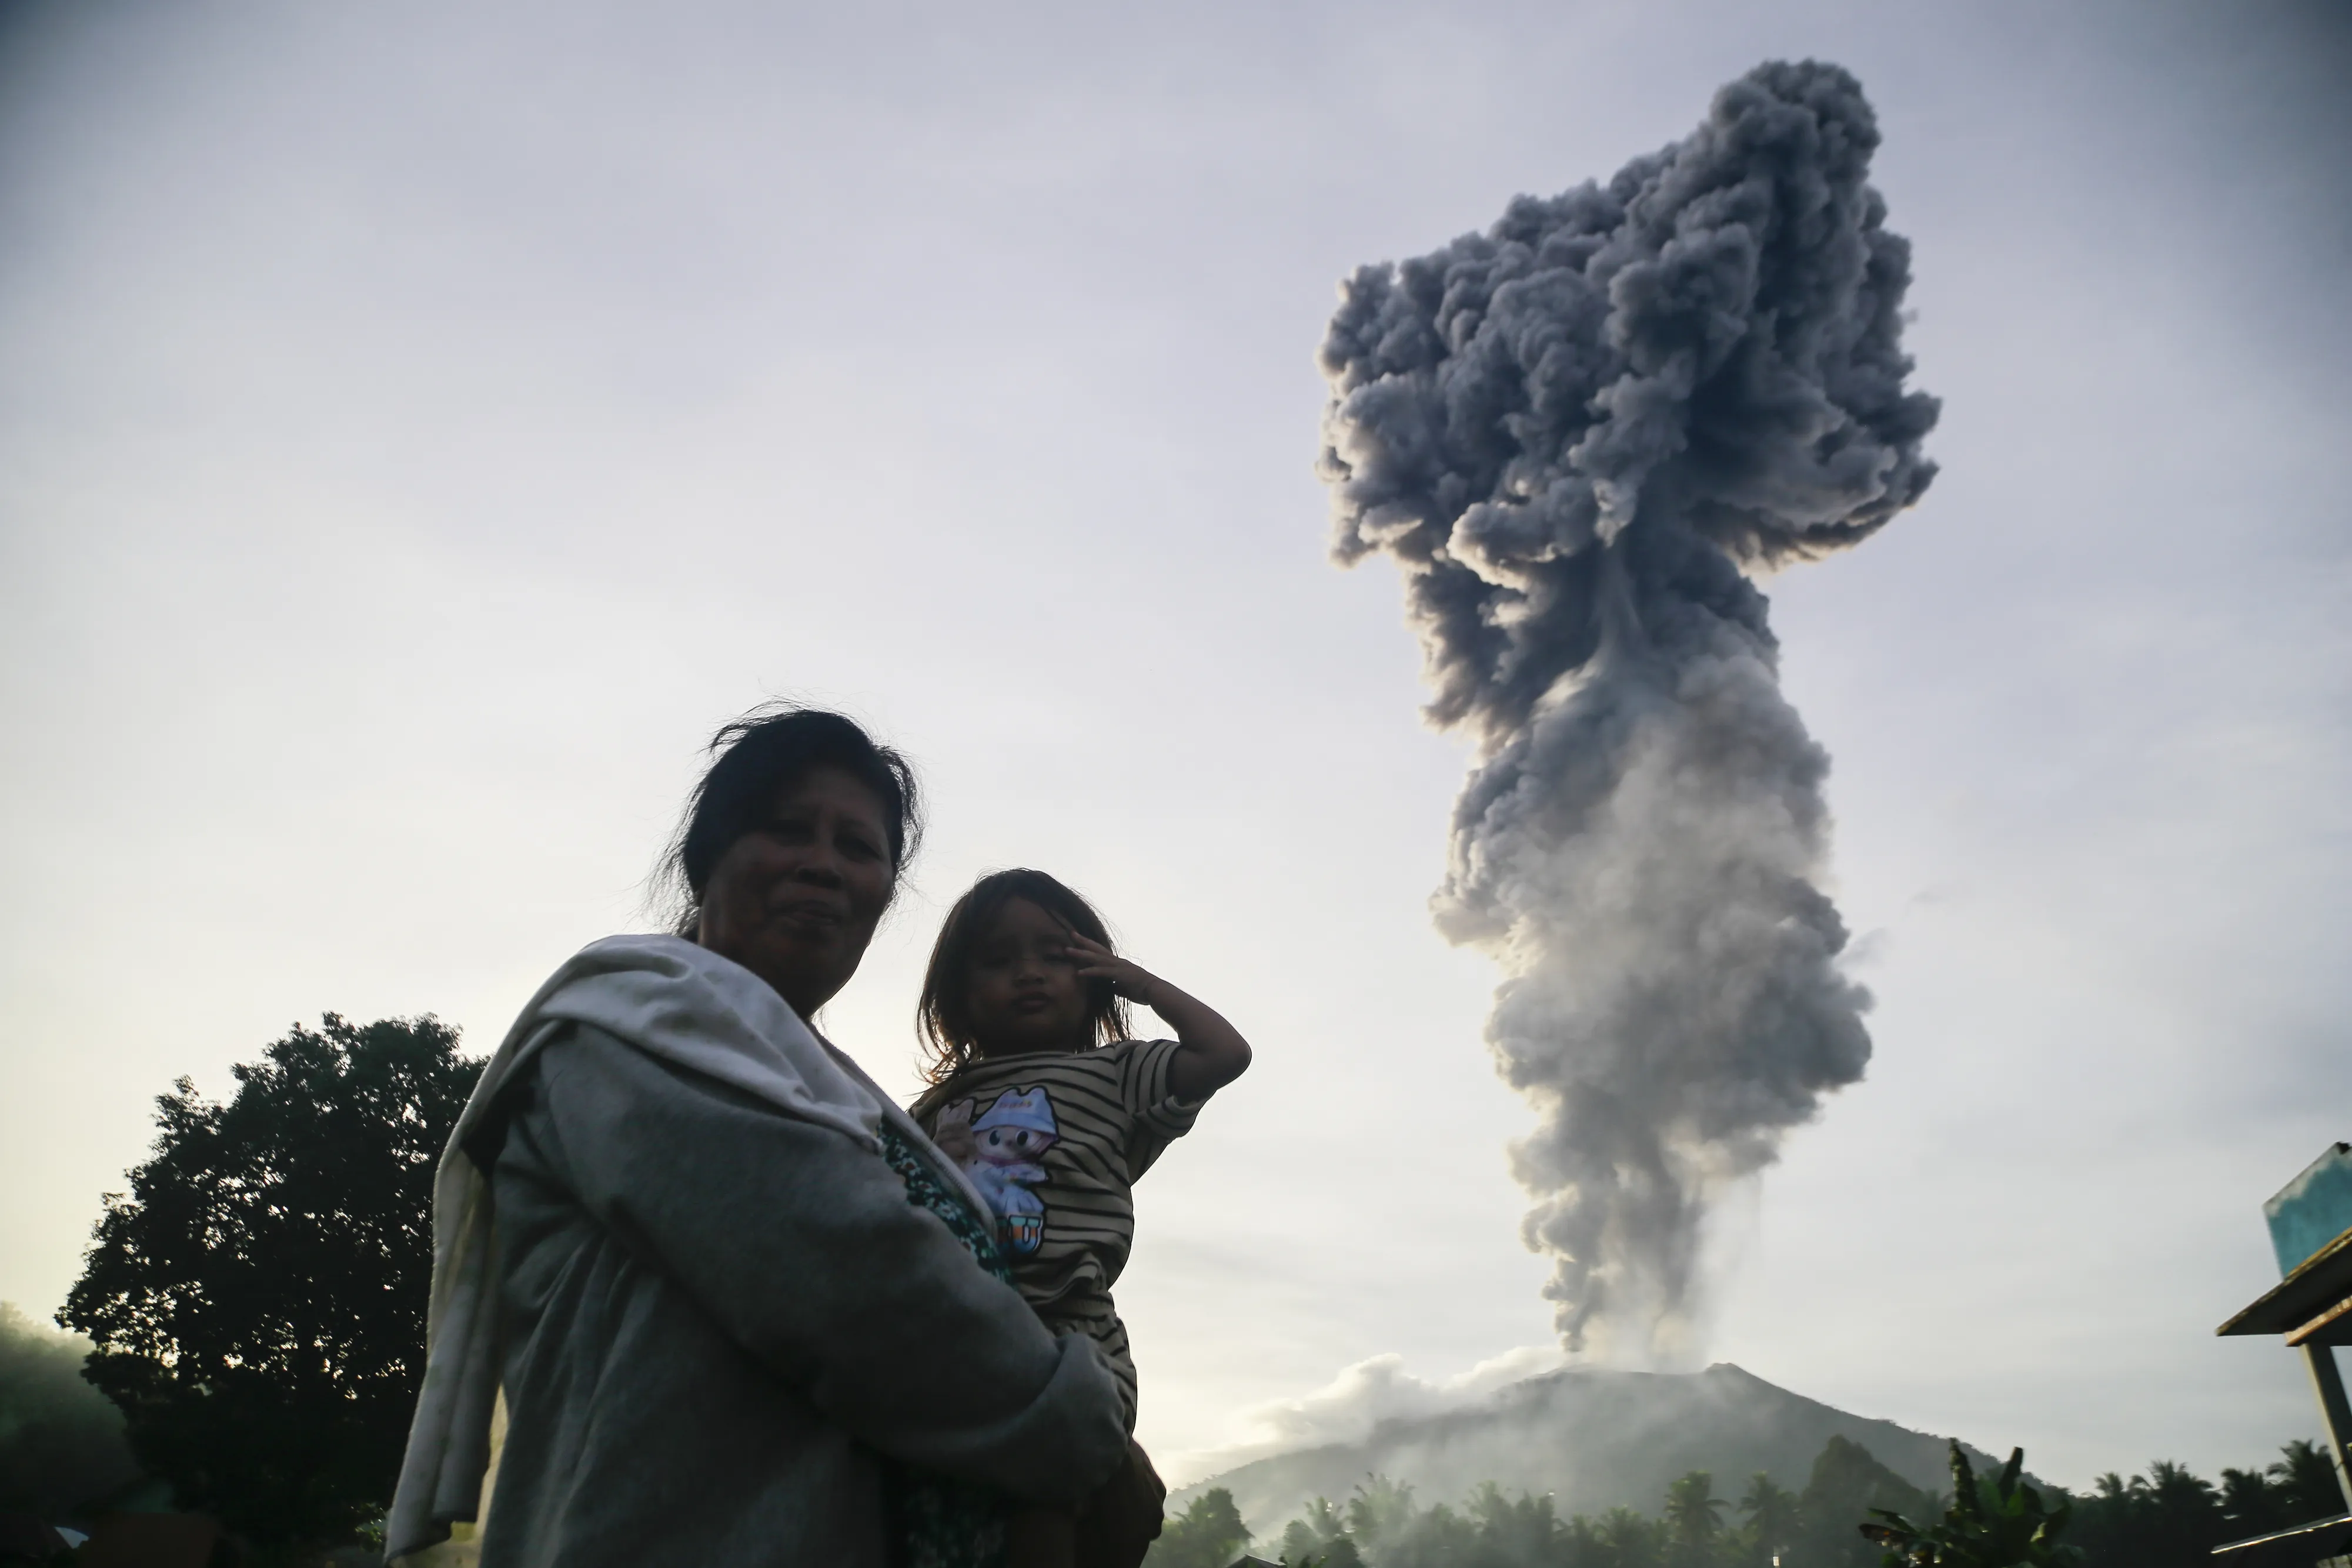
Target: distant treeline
61,1442
2167,1518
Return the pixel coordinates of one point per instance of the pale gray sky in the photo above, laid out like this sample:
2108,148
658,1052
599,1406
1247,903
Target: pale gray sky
420,427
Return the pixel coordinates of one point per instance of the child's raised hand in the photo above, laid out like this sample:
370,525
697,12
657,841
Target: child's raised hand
1095,961
1212,1053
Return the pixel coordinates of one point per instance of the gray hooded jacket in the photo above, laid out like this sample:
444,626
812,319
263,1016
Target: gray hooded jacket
713,1318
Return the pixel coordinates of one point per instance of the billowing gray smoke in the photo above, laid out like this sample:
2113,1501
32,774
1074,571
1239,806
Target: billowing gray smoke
1577,434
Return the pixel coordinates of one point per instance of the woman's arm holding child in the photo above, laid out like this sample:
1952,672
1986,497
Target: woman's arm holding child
1211,1052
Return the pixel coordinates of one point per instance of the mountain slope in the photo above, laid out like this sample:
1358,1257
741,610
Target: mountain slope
1595,1439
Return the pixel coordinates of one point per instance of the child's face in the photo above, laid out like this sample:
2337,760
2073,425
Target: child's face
1025,990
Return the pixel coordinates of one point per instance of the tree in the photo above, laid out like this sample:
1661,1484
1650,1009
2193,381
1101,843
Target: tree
2172,1518
2303,1481
1337,1553
1624,1539
2248,1505
1694,1519
1437,1538
2186,1505
1208,1534
1516,1533
1997,1524
257,1299
1316,1536
1772,1521
1379,1509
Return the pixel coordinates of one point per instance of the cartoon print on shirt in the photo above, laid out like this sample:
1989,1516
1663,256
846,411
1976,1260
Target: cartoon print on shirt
999,1149
952,1133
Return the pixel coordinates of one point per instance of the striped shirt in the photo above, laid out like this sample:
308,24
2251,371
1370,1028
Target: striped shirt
1056,1141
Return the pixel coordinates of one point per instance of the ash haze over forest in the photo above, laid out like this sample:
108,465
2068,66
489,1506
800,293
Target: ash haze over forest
418,430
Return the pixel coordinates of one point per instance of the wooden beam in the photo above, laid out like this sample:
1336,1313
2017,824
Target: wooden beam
2333,1326
2323,1278
2329,1386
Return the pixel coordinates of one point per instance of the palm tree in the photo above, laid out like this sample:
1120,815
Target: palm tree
2249,1505
1693,1520
1380,1508
1626,1539
2187,1508
2305,1481
1515,1529
1772,1520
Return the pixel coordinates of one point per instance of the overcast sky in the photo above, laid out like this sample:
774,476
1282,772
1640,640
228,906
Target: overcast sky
420,426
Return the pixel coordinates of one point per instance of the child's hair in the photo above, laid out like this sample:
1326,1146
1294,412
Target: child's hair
943,1016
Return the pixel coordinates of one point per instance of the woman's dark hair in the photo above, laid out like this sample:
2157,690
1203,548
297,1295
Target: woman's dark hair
943,1016
755,759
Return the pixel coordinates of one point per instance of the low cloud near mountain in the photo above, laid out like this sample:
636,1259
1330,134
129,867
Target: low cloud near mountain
1595,1439
1348,1408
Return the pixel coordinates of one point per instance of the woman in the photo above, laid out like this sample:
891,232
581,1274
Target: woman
740,1310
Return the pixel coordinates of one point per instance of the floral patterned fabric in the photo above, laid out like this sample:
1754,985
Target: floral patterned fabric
941,1521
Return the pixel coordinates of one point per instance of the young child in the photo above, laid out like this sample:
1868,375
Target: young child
1038,1092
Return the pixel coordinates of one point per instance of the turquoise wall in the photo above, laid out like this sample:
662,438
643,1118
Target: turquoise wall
2313,1210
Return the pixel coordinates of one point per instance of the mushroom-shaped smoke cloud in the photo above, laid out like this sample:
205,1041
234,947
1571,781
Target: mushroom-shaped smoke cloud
1577,434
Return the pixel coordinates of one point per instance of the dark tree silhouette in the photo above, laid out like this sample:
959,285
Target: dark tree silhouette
1996,1522
1694,1521
1772,1521
1208,1534
2304,1481
257,1298
2172,1518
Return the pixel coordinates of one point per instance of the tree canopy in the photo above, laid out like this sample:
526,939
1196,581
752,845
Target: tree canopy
2167,1518
258,1298
1997,1523
1208,1534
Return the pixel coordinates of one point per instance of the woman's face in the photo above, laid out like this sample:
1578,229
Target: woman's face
796,899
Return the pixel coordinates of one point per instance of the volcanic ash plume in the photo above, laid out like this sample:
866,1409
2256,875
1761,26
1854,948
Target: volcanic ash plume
1578,433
